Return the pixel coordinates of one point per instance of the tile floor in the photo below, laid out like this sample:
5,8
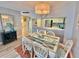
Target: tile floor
8,50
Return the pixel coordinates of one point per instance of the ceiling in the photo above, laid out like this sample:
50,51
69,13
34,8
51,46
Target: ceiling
23,5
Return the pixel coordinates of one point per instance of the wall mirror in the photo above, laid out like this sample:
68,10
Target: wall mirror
55,23
7,22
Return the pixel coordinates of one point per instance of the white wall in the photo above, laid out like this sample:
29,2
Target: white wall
76,34
17,18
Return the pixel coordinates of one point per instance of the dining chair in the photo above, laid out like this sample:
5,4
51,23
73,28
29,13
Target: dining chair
50,33
42,32
68,46
27,45
40,51
51,54
64,49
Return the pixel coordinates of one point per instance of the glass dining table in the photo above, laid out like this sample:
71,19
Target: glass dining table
50,42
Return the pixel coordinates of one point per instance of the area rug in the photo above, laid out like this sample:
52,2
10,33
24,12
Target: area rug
20,52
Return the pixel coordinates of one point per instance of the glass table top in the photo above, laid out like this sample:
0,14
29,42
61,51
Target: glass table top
50,42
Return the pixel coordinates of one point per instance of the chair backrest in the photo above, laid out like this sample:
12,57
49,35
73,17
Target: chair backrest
40,51
65,49
42,31
27,43
68,46
50,33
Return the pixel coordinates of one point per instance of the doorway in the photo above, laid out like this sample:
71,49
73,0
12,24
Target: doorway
24,21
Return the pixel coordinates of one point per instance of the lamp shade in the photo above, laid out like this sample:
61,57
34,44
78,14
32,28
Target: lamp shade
42,8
